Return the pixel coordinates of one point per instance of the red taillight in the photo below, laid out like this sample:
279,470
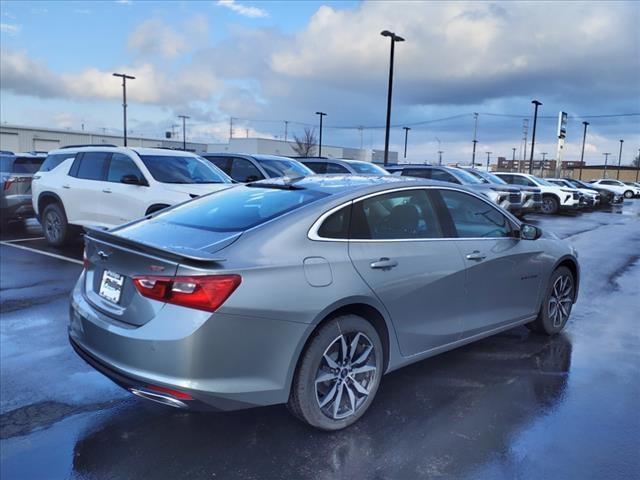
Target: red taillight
8,182
206,292
170,391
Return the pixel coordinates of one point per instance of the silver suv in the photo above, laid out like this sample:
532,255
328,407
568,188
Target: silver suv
16,171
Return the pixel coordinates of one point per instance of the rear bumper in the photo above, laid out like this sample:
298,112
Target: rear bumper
16,206
223,361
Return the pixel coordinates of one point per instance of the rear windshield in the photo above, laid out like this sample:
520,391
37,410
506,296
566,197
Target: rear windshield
369,168
239,208
284,168
26,164
183,169
54,160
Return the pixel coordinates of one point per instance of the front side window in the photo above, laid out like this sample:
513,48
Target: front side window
444,176
182,169
317,167
120,166
474,218
238,208
406,214
242,170
92,165
284,168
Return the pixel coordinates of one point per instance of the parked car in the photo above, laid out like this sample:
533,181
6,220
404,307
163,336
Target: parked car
250,168
617,186
16,174
323,165
506,196
108,186
554,198
591,197
607,197
305,291
531,196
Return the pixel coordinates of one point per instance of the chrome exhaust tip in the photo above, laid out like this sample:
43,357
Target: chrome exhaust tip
159,398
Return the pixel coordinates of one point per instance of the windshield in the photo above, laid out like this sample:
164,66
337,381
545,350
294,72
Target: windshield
369,168
284,168
467,177
183,169
542,181
488,177
239,208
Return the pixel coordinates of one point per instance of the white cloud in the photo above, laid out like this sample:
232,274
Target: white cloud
251,12
82,11
124,2
156,37
10,28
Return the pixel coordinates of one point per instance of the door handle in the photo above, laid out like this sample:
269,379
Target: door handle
476,255
66,186
106,190
384,263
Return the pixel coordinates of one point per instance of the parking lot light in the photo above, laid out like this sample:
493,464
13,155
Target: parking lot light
533,134
394,38
406,136
619,160
606,161
124,77
488,158
184,131
584,138
322,114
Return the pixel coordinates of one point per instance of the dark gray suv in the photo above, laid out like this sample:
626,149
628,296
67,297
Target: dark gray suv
245,168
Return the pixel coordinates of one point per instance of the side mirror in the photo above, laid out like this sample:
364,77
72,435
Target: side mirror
131,180
530,232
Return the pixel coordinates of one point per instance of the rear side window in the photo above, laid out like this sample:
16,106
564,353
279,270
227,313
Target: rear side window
336,225
27,165
399,215
238,208
91,165
121,165
443,176
317,167
242,170
221,162
518,180
53,161
474,218
417,172
336,168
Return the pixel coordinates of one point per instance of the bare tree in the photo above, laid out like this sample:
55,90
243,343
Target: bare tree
306,145
636,161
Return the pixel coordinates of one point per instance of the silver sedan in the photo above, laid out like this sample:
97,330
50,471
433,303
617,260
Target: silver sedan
306,291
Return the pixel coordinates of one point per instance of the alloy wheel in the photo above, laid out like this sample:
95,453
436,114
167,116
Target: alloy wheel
547,205
628,194
53,226
345,376
560,300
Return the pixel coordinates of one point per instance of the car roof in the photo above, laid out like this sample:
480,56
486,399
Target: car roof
256,156
138,150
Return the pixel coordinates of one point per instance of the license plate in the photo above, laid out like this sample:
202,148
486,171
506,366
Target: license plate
111,286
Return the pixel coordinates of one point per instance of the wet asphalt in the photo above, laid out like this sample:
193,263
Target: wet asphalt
515,405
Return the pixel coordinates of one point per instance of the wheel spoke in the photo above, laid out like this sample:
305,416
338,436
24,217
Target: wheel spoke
329,396
360,389
354,346
330,361
363,369
326,377
344,349
336,403
363,356
352,398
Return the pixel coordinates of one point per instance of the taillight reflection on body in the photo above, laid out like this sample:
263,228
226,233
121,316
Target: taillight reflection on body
205,292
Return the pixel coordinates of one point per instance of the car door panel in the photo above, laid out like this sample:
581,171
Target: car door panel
419,280
123,202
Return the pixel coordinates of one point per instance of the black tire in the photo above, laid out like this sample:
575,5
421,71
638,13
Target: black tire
550,205
628,194
55,227
550,320
307,394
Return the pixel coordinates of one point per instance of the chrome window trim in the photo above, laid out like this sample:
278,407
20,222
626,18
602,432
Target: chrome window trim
313,231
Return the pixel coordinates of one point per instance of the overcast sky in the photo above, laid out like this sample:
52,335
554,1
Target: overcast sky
266,62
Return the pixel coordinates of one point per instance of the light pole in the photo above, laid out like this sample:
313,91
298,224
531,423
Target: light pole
124,77
544,157
406,136
286,129
322,114
584,138
475,140
638,166
488,157
533,134
514,154
394,38
184,131
440,152
619,160
606,160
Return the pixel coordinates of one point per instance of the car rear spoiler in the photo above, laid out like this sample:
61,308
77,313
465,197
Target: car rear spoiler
172,252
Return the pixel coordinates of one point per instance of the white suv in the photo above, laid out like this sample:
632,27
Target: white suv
554,197
108,186
617,186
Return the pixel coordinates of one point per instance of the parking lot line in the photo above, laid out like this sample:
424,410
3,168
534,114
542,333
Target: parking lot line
48,254
24,239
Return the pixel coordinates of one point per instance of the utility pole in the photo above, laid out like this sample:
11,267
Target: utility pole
638,166
440,152
230,128
124,77
544,158
619,160
606,160
184,131
406,135
513,157
173,130
475,140
322,114
488,157
533,134
525,131
286,129
394,38
584,138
